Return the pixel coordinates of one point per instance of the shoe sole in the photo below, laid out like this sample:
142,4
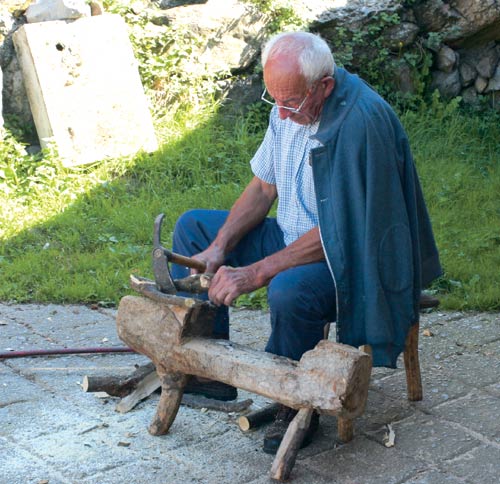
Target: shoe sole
272,449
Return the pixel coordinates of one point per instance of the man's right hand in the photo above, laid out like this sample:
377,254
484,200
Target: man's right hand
213,257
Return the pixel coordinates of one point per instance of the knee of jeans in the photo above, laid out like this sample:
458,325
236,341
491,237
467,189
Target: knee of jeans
284,294
185,223
186,219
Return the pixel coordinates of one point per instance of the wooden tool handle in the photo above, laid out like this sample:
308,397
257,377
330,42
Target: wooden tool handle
187,261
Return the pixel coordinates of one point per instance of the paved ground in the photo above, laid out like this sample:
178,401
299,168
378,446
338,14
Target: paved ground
53,432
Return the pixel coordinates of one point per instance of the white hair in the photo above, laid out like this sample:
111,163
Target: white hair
314,57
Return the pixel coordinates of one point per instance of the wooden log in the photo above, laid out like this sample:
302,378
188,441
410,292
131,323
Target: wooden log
117,386
146,387
412,365
259,417
290,445
199,401
195,283
332,377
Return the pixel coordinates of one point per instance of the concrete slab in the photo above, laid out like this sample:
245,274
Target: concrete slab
14,388
52,430
27,420
20,467
84,88
494,389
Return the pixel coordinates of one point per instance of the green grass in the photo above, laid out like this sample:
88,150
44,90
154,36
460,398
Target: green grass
75,236
458,158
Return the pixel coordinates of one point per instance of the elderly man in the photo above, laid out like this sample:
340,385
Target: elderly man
352,241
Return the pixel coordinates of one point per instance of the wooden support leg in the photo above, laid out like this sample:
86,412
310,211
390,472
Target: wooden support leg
345,429
412,365
172,388
345,426
290,445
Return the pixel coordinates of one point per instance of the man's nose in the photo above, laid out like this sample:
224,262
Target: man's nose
284,113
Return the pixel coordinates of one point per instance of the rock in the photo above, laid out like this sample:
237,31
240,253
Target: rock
15,98
46,10
165,4
243,92
401,35
435,15
446,59
404,79
494,99
480,84
14,95
488,62
460,21
354,15
467,74
470,96
96,9
494,83
448,84
230,32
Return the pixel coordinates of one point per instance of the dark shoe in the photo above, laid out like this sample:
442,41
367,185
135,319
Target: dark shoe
211,389
427,301
276,432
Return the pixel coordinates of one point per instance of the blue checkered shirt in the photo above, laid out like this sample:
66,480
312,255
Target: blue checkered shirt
283,160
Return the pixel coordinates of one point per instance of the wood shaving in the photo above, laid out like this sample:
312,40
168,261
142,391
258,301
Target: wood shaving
389,437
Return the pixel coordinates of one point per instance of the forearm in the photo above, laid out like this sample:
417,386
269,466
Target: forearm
304,250
228,282
248,211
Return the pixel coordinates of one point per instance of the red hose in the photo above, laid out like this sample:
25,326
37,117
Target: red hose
65,351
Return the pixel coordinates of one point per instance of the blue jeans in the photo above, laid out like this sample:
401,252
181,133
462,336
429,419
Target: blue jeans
301,299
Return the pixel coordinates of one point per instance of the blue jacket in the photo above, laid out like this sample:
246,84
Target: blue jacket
374,224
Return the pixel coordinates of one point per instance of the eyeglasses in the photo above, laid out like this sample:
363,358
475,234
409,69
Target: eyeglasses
279,106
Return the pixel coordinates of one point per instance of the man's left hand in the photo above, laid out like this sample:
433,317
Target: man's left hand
230,282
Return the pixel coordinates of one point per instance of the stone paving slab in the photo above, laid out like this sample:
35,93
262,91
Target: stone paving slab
437,387
364,460
476,413
434,477
52,431
480,465
428,438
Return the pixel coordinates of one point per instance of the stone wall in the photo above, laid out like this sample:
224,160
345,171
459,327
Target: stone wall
14,95
461,36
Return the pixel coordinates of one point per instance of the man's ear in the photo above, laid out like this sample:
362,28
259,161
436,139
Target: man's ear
329,85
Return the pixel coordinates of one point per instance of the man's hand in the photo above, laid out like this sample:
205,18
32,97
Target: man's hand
213,257
229,283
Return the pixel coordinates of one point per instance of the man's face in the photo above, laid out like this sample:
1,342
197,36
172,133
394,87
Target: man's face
288,88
